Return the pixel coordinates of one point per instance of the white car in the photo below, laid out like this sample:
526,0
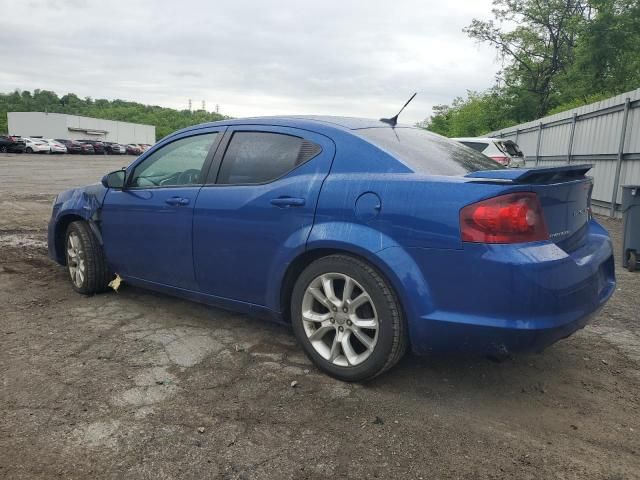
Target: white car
36,145
56,147
505,152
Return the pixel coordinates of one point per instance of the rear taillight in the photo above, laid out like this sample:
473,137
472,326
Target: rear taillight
501,159
511,218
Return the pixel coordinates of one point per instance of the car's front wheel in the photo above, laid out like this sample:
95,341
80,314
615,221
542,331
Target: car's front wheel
85,260
347,318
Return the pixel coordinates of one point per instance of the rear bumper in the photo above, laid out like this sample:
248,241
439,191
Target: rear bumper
524,297
457,337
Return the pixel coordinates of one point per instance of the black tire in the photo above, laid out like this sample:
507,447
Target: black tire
97,276
29,150
3,149
632,261
391,342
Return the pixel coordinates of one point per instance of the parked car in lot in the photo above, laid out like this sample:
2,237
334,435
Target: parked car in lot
72,145
54,145
112,148
87,148
133,149
11,144
35,145
505,152
367,239
98,146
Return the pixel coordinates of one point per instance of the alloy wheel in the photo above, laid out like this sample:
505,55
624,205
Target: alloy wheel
76,260
340,319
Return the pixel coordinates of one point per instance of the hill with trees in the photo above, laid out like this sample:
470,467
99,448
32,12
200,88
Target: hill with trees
166,120
557,54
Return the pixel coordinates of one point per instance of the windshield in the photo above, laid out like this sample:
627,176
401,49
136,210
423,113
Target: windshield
426,152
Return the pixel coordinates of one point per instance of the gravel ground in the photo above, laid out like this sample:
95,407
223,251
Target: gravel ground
141,385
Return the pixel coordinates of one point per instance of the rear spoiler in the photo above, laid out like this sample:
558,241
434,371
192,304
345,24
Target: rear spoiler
532,175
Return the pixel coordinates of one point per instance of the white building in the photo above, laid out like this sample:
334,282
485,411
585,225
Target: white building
73,127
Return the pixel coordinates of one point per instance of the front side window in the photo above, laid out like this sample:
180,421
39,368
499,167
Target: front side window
178,163
260,157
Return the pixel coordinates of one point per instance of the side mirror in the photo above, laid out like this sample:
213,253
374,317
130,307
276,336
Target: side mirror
115,179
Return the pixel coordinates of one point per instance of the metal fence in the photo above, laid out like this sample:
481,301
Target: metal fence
605,134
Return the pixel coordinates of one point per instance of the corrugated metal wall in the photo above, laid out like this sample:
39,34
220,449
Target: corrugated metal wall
606,134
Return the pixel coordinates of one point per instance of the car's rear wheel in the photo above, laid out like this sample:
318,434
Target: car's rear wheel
3,149
347,318
85,260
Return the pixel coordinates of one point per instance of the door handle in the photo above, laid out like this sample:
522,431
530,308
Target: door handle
177,201
287,202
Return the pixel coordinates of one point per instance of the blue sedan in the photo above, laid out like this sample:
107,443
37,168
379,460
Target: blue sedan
367,238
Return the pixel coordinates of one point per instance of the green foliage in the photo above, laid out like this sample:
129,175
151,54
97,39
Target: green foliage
539,48
470,117
166,120
579,102
558,54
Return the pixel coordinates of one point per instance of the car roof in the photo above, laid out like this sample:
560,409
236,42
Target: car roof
316,122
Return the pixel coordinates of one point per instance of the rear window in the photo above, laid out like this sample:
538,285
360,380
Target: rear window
511,148
428,153
477,146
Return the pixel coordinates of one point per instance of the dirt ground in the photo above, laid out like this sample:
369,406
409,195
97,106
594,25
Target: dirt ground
140,385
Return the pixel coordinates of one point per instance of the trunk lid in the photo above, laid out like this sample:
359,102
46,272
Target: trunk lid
564,194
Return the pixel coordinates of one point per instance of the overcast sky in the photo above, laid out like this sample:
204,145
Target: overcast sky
252,57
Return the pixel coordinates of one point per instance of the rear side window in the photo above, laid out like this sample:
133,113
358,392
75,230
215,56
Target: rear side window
477,146
428,153
260,157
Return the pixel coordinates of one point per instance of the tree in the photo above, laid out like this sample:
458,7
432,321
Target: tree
539,48
479,113
607,58
558,54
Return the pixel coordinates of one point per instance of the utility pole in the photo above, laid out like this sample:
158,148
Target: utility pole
189,104
204,107
217,108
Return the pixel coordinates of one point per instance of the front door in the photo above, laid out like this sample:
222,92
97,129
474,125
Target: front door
257,208
147,227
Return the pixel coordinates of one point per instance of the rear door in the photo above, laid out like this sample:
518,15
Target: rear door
257,208
147,228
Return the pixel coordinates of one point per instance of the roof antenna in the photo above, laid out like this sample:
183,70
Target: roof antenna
393,121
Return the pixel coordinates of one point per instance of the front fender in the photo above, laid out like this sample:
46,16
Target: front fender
83,203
